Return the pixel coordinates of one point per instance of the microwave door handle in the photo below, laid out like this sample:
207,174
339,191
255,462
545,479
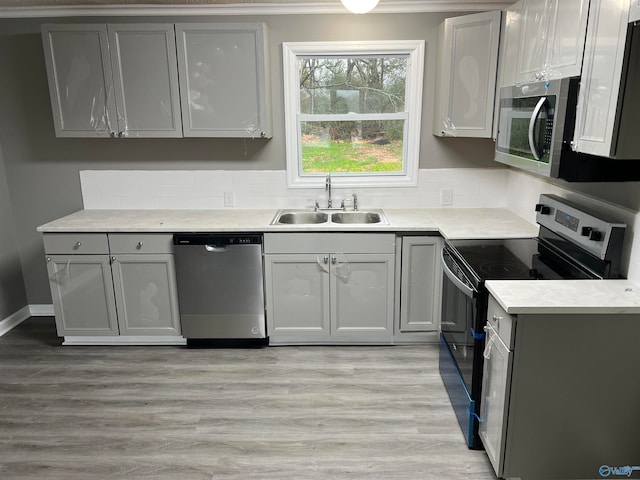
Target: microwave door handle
532,127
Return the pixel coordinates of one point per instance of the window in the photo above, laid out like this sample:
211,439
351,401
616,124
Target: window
353,109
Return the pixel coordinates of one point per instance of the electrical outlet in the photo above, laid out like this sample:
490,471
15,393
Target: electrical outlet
446,197
229,199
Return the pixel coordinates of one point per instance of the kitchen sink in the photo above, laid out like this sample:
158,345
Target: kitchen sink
300,217
312,217
357,217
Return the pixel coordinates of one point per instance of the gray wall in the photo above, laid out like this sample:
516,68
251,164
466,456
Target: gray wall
12,292
42,170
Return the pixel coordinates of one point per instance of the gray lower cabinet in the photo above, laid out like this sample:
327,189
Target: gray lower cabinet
82,294
558,385
420,281
330,288
117,284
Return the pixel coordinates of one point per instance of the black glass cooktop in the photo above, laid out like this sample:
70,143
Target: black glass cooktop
498,259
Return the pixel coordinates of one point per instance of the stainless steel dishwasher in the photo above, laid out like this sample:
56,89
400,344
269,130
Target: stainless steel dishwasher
220,287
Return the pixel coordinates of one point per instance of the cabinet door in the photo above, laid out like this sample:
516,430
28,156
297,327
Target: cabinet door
145,75
82,294
223,80
80,80
467,70
600,84
362,294
297,295
533,39
508,57
420,284
496,383
567,30
146,294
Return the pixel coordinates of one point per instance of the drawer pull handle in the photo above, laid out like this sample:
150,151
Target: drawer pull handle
140,244
77,245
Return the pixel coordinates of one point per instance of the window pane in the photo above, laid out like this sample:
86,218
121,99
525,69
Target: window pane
374,146
352,85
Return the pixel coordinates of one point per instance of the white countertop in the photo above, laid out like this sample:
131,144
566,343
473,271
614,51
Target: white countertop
449,222
566,296
515,296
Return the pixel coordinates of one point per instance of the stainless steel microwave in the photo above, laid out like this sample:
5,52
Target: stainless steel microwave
532,122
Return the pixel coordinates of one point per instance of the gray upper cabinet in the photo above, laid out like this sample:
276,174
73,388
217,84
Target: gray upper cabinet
80,79
145,78
113,80
466,77
224,80
552,38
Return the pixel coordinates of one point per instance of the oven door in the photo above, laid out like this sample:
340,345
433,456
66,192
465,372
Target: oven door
461,346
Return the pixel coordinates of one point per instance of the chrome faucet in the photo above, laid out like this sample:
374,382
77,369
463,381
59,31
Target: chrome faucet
327,188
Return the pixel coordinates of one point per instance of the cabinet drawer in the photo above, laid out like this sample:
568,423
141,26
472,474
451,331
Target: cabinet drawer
329,242
140,243
76,243
501,322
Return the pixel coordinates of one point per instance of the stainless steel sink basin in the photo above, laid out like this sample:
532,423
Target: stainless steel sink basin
310,217
356,217
300,217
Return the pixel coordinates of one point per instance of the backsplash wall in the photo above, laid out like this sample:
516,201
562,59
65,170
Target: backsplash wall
205,189
472,188
523,192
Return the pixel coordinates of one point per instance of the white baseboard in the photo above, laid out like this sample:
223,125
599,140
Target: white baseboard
41,310
125,340
13,320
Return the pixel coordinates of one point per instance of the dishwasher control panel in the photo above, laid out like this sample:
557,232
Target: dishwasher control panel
219,239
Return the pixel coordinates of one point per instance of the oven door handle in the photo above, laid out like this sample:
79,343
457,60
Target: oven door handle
464,288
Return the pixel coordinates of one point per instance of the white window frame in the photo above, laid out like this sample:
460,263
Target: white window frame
413,106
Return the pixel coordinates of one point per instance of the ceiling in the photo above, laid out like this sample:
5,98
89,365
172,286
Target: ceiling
49,8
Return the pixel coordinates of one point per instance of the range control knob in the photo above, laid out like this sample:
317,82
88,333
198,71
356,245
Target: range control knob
595,235
543,209
586,231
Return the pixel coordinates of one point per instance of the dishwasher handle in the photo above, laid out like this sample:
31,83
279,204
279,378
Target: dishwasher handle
215,249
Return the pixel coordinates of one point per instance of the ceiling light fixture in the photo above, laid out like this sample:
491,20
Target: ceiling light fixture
359,6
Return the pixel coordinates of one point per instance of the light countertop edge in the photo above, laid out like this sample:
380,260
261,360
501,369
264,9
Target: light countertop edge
448,222
566,296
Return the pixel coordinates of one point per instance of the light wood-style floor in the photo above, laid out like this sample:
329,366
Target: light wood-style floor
177,413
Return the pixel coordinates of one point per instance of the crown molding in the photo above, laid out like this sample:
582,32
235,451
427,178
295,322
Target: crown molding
310,8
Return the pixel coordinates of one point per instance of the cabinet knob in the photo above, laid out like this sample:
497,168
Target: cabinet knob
77,245
139,245
113,134
333,260
48,259
325,259
113,259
